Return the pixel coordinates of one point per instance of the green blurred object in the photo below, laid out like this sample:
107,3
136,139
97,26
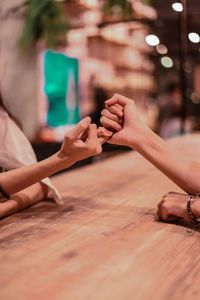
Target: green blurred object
44,20
120,8
61,89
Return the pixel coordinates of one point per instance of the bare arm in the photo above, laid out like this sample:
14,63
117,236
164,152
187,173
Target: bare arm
18,179
134,133
179,168
22,200
79,143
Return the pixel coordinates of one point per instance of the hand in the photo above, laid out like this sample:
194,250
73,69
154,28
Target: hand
173,207
103,134
121,116
81,142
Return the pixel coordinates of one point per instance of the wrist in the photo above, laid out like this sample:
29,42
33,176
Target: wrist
140,139
64,161
195,207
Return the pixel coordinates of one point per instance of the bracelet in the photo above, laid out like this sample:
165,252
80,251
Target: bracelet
192,218
4,193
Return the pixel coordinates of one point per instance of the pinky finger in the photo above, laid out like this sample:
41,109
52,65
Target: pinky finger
107,123
101,131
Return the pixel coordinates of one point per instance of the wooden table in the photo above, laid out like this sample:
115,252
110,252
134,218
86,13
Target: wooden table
104,242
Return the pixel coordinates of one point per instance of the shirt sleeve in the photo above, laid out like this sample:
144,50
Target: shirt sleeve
16,151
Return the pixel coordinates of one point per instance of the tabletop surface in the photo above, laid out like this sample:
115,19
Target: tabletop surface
104,242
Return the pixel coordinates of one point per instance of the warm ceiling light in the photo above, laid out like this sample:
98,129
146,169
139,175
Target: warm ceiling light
90,3
152,40
177,6
167,62
162,49
194,37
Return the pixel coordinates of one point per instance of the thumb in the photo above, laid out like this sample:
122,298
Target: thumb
102,140
80,127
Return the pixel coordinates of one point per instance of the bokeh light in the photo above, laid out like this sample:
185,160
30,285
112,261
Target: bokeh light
177,6
152,40
167,62
161,49
194,37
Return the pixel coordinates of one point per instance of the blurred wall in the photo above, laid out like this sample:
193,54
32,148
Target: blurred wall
18,72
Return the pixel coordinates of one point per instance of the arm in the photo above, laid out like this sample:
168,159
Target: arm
18,179
22,200
79,143
173,206
178,167
134,133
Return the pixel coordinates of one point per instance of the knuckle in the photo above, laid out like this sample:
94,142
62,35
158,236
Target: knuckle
100,130
165,195
103,120
104,111
98,149
164,207
112,108
68,136
94,126
116,95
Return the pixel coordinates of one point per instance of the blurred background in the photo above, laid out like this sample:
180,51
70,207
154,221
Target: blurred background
60,60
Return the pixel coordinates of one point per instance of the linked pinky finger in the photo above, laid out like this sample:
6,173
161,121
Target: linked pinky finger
102,131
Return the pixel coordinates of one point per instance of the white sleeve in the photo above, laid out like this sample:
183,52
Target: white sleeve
16,151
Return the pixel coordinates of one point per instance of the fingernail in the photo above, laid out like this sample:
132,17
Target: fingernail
87,120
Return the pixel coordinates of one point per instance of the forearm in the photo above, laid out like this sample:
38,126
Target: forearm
179,168
22,200
18,179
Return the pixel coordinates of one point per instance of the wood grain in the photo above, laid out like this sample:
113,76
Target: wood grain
104,242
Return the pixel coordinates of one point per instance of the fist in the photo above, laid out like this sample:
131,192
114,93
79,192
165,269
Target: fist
173,206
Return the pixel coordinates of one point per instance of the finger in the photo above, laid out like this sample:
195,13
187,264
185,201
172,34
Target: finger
117,99
159,204
161,210
119,106
103,135
92,134
79,128
103,140
159,213
115,111
107,113
165,195
173,218
107,123
164,213
177,193
163,216
103,132
93,141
